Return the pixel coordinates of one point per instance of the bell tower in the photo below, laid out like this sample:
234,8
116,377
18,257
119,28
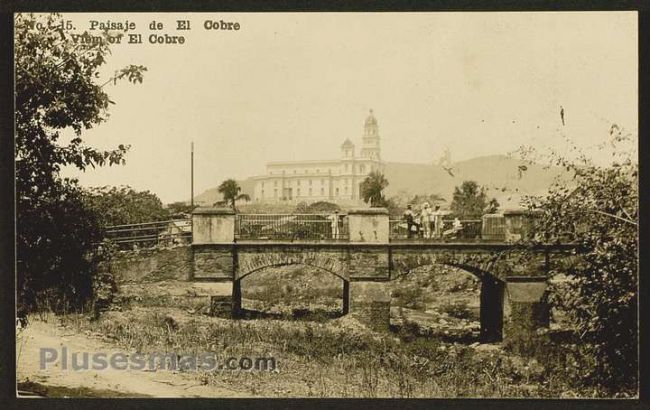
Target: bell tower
370,147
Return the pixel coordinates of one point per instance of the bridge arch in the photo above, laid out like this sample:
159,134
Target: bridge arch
280,264
492,290
327,266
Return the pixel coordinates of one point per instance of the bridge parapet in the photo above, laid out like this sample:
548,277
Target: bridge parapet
213,225
369,225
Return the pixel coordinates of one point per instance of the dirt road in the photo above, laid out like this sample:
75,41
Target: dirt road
161,383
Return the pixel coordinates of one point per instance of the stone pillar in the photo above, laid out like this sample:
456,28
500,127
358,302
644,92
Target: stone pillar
217,226
236,299
492,293
346,297
213,225
518,224
529,309
368,225
370,304
219,295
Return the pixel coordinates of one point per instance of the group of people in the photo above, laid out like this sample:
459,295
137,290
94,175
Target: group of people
427,223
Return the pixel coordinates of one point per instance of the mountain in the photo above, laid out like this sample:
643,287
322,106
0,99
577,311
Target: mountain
210,196
499,173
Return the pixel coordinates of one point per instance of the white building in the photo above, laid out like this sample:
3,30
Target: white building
335,180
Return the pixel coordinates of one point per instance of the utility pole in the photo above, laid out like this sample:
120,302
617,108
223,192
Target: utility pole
192,177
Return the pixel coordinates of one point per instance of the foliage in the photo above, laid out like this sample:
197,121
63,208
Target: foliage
55,92
470,200
316,207
600,215
230,190
432,199
177,209
124,205
372,189
457,309
341,358
396,204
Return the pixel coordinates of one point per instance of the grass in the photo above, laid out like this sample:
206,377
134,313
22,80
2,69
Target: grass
319,356
339,358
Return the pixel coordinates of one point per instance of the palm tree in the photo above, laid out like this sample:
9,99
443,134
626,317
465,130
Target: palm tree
230,190
372,187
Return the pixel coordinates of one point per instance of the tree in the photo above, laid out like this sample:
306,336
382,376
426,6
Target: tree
124,205
57,89
230,190
470,200
372,188
599,213
177,209
316,207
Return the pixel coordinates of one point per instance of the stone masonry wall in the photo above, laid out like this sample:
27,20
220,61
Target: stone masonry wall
151,265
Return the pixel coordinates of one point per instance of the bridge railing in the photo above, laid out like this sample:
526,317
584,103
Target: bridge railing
465,230
150,234
291,227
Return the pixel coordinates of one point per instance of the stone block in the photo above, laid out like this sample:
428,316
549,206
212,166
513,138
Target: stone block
221,306
224,298
369,263
212,263
213,225
370,304
368,225
528,310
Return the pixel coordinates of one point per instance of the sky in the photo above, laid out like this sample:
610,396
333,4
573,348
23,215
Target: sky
292,86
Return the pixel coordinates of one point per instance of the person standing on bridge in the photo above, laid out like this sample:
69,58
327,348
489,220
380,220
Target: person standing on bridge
437,222
410,221
334,220
426,218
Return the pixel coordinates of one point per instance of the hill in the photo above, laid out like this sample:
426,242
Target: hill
210,196
499,173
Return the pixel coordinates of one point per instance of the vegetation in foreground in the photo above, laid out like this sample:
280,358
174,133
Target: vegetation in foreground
341,358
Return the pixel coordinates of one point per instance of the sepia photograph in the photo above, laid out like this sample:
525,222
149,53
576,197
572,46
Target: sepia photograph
327,205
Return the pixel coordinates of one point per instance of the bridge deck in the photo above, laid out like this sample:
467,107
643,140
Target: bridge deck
401,244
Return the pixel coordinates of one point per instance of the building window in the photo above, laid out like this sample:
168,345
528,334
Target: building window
322,191
262,184
317,171
275,193
275,183
346,190
298,182
346,167
294,171
310,182
337,192
362,169
262,192
298,192
309,191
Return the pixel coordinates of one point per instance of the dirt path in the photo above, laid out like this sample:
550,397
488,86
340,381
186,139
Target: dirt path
162,383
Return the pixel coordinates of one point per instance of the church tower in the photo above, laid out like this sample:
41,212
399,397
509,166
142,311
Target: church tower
370,147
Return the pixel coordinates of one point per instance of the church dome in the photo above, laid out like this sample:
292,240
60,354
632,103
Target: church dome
347,143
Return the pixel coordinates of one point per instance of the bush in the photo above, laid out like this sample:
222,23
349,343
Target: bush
457,309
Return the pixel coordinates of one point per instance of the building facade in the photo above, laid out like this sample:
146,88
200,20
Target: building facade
336,180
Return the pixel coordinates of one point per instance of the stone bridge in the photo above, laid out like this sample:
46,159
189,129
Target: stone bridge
510,274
